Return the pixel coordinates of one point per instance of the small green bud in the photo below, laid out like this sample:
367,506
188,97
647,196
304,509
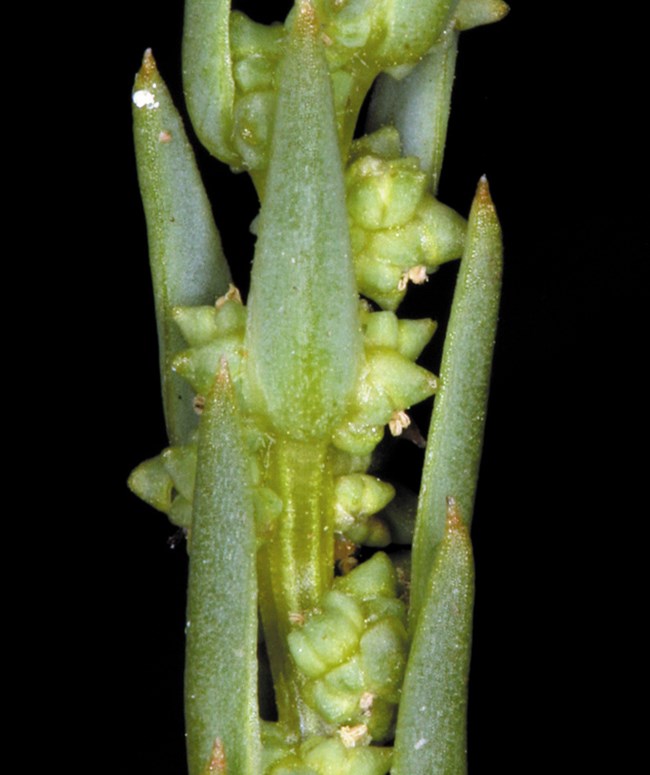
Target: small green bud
348,676
329,638
329,756
382,194
371,532
373,578
443,232
166,482
197,324
180,462
357,437
201,325
335,705
379,281
399,231
181,512
412,28
414,336
383,657
381,329
252,121
198,365
306,654
349,27
381,607
384,143
358,496
253,74
151,482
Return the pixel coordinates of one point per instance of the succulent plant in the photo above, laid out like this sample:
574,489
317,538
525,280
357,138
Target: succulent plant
275,405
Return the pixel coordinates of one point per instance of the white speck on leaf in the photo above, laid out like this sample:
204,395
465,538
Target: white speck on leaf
422,741
145,99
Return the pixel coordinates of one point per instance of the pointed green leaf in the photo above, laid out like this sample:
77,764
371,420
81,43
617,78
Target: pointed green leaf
456,437
221,655
432,719
187,262
303,335
207,75
418,105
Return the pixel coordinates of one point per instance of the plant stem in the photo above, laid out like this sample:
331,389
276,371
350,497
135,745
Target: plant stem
295,566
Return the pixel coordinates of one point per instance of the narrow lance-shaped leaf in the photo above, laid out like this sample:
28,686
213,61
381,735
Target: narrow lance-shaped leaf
431,736
187,262
456,437
418,105
207,75
303,336
221,655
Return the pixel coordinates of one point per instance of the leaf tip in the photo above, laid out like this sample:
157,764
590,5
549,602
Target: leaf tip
483,200
148,69
483,190
217,764
306,24
145,86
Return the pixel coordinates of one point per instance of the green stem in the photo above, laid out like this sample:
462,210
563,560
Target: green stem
296,565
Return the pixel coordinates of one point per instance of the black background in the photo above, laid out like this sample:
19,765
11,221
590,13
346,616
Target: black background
547,104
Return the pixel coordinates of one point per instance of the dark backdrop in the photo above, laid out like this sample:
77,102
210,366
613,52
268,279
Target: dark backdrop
547,105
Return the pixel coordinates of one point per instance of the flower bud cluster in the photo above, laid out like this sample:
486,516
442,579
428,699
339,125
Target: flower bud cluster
389,382
400,233
352,651
256,51
346,753
361,39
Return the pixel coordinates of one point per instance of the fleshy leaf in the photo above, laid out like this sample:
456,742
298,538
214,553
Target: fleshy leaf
432,719
418,105
456,437
221,652
187,262
303,335
207,75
